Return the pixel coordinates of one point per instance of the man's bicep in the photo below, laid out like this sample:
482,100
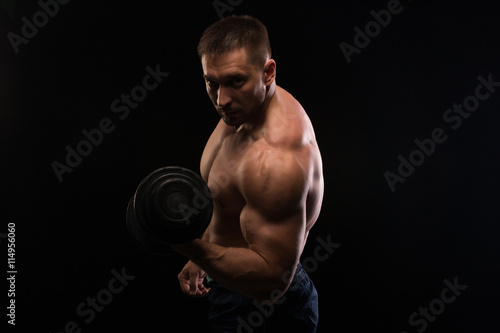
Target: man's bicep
273,220
278,241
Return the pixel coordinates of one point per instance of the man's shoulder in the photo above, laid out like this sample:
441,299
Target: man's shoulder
268,162
218,135
286,132
288,126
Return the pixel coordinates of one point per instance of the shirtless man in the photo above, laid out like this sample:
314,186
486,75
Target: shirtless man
264,168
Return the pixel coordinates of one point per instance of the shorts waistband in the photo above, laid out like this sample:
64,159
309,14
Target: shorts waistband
300,274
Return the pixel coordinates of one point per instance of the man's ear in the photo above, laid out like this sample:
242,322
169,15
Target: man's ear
269,72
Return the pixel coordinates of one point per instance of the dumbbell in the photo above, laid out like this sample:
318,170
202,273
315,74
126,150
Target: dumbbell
171,205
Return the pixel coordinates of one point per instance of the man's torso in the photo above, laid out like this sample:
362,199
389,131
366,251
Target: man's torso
286,128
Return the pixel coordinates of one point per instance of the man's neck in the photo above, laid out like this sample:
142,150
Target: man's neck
261,113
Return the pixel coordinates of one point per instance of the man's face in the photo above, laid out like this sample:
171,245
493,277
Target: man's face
236,87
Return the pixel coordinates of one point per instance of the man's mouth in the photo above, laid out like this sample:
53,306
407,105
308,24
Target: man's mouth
230,113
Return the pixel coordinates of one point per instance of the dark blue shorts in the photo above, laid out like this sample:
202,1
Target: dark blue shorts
295,311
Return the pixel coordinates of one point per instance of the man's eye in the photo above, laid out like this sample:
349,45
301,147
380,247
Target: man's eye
237,82
212,84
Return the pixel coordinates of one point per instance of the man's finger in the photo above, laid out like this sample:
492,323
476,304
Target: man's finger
204,290
193,284
185,287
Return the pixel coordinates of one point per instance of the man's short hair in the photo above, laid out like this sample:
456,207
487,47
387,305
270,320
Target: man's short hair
235,32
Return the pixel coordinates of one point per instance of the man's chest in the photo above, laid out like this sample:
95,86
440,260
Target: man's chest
223,169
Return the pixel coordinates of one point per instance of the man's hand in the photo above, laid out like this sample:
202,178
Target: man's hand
191,280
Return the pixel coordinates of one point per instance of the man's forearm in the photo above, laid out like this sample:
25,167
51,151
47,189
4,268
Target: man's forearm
206,236
241,270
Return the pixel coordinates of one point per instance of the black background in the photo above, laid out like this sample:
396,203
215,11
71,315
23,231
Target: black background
396,248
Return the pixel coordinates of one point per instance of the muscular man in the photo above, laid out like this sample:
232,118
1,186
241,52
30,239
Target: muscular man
264,168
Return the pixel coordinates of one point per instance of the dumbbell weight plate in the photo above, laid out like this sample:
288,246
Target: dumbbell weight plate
171,205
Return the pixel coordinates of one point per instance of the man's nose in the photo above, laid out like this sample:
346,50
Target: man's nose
223,97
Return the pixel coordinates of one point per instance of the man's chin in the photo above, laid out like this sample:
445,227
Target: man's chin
232,122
